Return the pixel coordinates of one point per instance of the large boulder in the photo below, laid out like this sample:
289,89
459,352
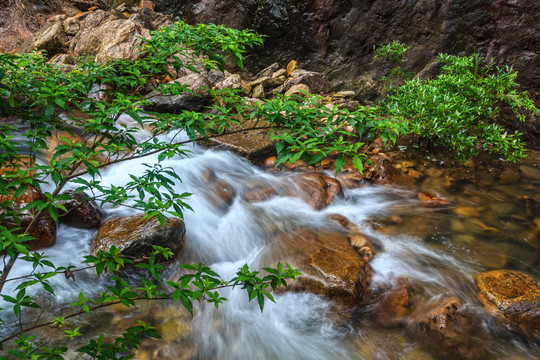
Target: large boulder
50,38
135,236
330,265
108,36
513,297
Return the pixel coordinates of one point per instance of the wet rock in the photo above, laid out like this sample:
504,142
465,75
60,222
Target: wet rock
314,80
107,36
135,236
44,232
50,38
316,189
259,193
351,179
530,172
221,194
431,199
509,176
466,211
270,162
390,303
446,322
513,297
388,174
300,89
82,212
329,264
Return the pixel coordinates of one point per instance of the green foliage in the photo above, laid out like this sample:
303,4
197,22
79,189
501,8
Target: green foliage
460,107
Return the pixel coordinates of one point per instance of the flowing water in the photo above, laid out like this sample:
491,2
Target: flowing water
437,250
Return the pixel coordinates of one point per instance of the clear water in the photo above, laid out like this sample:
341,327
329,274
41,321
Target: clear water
436,250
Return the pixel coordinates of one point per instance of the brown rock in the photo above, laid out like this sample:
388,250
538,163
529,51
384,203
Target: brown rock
351,179
299,89
44,232
512,296
221,194
316,189
147,4
314,80
466,211
388,174
197,83
431,199
293,65
446,320
71,26
270,162
258,92
391,303
82,212
329,264
135,236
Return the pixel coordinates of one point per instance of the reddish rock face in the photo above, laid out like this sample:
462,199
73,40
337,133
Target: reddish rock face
136,236
512,296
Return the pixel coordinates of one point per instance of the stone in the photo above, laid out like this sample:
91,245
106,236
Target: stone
176,103
136,236
62,59
221,194
146,4
446,322
530,172
509,176
390,303
291,66
106,36
466,211
350,106
280,73
44,232
388,174
50,38
215,76
314,80
430,199
268,82
316,189
268,71
234,82
270,162
71,26
330,266
344,94
351,178
258,92
300,89
82,212
513,297
197,83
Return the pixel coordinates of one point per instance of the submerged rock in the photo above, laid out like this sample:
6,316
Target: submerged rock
135,236
512,296
316,189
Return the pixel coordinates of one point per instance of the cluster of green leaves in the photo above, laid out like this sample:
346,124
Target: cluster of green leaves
459,108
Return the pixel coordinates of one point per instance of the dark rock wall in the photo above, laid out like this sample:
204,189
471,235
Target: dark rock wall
337,36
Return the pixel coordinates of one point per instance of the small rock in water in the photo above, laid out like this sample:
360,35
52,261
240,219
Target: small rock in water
466,211
82,212
391,303
513,297
221,194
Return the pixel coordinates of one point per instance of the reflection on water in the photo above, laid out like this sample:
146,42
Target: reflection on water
438,250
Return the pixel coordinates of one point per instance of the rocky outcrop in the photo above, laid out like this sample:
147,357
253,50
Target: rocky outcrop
512,296
50,38
135,236
337,37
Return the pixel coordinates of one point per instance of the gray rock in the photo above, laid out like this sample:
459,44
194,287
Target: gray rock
71,26
198,83
314,80
298,89
267,71
50,38
258,92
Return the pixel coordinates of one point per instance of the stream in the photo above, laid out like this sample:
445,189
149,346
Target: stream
438,251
